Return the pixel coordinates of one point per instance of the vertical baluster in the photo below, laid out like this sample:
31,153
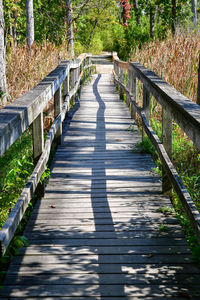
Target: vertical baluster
72,83
167,143
66,85
133,86
146,102
57,111
129,89
121,80
89,63
38,147
145,105
38,138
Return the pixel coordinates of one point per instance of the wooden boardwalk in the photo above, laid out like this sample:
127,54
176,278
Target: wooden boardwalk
98,232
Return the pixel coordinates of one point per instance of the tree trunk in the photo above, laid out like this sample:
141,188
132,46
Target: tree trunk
173,16
3,86
135,5
29,23
15,29
70,36
152,15
194,12
92,32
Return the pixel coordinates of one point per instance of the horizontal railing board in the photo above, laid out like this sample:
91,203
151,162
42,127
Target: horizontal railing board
10,226
16,117
185,112
181,190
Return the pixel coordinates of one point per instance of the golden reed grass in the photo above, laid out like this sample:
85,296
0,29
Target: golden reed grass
25,69
175,60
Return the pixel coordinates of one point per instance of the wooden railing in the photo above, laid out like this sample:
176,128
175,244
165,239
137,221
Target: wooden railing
175,107
62,84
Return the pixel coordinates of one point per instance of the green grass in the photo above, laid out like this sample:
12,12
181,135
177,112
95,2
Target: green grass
16,165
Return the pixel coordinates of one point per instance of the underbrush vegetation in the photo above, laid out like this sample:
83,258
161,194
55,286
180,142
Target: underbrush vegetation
186,160
26,69
175,59
16,165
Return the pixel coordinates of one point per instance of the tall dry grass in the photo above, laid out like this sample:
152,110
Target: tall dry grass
25,69
175,60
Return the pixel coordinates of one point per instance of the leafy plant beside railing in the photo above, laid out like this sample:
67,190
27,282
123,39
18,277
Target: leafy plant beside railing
16,166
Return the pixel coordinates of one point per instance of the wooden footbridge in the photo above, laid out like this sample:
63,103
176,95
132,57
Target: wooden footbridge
101,230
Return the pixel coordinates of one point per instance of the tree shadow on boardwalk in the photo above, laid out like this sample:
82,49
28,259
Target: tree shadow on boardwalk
97,256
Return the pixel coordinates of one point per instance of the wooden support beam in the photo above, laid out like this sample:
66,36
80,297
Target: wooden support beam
167,143
133,89
66,86
183,111
121,80
38,138
38,148
57,111
146,102
198,88
72,80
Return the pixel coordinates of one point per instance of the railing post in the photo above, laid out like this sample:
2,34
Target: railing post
72,82
146,101
38,147
89,63
117,69
167,143
145,105
38,138
121,80
66,86
133,90
128,98
57,111
198,87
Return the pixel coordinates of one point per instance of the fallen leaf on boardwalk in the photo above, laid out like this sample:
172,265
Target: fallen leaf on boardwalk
119,140
52,206
150,255
184,295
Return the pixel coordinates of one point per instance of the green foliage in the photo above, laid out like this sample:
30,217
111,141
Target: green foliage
163,228
186,160
16,165
166,210
45,175
189,231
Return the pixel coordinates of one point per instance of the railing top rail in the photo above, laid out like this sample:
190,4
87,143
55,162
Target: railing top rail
184,111
16,117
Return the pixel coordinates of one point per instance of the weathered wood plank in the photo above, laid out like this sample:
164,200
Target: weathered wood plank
62,250
142,290
95,279
107,268
58,234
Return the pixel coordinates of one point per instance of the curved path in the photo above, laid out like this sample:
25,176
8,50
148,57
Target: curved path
100,231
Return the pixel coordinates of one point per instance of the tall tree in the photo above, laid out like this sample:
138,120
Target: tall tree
29,23
3,86
136,9
194,12
173,21
152,16
70,35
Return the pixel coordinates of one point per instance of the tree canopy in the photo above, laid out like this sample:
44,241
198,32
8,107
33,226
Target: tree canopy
98,25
